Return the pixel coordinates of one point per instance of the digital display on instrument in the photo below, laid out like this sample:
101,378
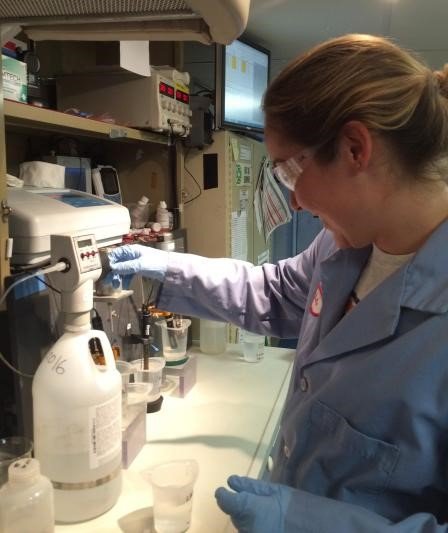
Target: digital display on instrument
166,89
84,243
182,96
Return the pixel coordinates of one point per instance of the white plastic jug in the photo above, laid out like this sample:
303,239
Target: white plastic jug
77,426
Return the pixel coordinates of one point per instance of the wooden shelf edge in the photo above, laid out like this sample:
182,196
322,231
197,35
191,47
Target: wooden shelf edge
17,114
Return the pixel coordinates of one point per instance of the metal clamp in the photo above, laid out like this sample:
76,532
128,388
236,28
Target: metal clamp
6,210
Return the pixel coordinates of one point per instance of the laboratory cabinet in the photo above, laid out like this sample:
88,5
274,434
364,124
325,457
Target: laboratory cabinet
144,158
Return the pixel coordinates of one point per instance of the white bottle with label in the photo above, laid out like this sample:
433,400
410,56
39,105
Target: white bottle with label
139,213
77,426
163,215
26,500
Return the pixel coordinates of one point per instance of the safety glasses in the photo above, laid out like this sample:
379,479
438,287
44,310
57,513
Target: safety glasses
287,172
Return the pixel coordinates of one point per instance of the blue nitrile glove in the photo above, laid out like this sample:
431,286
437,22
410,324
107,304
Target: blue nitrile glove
255,506
137,259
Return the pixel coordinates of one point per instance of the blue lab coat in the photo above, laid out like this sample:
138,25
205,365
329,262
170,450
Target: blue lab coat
364,434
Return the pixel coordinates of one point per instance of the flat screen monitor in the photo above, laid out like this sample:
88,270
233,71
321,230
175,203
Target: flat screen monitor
240,85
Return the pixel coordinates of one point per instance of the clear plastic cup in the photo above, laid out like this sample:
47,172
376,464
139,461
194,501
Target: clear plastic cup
153,374
136,402
253,346
11,449
139,393
125,370
212,336
172,488
174,340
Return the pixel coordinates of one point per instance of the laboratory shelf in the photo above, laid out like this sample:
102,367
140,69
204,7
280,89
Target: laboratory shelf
25,116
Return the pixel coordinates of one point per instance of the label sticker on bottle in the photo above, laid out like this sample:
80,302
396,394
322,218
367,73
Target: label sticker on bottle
104,431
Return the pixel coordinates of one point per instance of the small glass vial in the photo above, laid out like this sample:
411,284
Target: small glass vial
26,500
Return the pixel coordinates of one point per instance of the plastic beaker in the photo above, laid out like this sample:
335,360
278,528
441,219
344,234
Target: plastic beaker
253,346
11,449
138,393
125,370
172,488
212,336
174,340
152,374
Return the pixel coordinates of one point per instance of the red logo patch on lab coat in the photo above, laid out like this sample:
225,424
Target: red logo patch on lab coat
316,304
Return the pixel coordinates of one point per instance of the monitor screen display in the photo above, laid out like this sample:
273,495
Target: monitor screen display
245,79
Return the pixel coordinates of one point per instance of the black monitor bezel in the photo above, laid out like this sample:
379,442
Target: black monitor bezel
220,88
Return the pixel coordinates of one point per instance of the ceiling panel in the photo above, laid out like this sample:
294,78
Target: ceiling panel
420,24
288,27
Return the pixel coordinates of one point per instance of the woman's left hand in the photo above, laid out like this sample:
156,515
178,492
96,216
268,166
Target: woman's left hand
255,506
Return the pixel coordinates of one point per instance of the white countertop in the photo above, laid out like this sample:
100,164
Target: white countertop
227,422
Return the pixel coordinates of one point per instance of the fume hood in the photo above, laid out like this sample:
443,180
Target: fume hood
206,21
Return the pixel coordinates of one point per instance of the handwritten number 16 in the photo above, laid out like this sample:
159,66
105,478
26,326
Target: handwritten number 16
56,362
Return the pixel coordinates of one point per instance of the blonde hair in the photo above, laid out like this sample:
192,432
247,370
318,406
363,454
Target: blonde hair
370,79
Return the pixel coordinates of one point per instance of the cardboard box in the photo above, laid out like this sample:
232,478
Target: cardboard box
14,79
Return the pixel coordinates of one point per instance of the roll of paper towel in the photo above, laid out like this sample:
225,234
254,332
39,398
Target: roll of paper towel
42,174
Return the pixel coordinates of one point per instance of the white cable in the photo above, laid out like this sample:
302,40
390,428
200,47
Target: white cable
9,365
58,267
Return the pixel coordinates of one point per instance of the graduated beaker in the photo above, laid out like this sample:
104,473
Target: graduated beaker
152,374
174,339
253,346
125,370
172,488
212,336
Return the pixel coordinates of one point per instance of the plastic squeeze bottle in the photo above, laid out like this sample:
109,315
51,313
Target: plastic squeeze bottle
140,213
163,215
26,500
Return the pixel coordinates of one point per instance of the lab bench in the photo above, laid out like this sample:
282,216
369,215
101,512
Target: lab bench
227,422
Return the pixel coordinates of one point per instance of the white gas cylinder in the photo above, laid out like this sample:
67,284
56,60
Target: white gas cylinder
77,426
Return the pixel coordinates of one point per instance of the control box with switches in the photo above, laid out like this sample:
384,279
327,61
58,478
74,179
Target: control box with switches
170,95
160,102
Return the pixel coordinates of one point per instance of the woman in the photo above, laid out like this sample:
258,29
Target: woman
357,129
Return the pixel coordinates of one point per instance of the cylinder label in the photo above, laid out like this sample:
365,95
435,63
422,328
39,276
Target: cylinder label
104,431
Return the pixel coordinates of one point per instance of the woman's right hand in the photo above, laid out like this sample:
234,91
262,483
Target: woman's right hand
137,259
